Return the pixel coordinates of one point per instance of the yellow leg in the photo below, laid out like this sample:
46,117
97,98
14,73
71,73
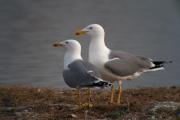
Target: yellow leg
79,97
88,104
89,97
112,93
119,92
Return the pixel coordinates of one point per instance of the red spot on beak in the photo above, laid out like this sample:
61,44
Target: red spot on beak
77,33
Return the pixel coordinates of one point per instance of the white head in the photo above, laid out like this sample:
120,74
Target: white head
70,45
73,50
93,30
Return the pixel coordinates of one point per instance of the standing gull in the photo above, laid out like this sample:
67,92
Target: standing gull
116,65
77,73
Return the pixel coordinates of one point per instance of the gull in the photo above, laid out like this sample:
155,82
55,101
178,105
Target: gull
78,73
116,65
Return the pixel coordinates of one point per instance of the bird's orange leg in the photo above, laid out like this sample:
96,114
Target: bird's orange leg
119,92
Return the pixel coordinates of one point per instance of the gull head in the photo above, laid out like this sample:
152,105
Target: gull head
69,44
93,30
73,51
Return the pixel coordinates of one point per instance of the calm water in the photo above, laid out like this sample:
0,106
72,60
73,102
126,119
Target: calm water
29,27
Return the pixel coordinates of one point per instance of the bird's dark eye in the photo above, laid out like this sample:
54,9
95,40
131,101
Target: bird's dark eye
90,28
66,42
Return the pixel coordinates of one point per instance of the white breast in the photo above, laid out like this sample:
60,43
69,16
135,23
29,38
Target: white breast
98,56
69,58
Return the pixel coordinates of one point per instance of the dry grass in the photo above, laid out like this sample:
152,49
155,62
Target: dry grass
48,104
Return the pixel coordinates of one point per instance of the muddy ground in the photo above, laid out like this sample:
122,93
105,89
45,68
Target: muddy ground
28,103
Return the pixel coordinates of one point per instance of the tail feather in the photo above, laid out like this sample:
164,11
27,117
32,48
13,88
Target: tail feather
101,84
161,62
159,65
98,83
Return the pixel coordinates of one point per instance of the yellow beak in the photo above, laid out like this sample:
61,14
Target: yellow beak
58,45
81,32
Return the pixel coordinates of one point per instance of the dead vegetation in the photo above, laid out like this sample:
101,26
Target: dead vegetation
29,103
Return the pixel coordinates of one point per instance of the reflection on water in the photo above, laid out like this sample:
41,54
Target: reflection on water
28,29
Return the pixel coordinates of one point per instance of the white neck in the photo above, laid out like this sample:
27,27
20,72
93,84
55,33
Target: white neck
98,43
70,56
98,51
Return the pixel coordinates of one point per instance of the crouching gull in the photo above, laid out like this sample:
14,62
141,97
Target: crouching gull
78,73
116,65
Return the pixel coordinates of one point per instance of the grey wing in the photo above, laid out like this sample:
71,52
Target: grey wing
80,74
125,64
69,79
91,69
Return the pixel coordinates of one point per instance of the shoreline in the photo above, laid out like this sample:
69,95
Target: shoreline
19,102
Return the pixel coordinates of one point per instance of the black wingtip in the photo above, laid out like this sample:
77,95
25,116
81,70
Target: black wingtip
102,84
161,63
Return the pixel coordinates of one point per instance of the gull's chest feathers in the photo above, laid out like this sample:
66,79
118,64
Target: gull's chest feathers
69,58
98,56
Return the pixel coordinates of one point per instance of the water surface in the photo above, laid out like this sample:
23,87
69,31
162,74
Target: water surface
28,29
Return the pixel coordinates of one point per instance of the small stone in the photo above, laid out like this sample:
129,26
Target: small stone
38,90
26,111
153,117
73,115
18,114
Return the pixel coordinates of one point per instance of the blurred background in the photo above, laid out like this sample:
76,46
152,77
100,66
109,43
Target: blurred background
28,28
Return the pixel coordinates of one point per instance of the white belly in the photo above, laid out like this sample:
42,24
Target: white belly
112,77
